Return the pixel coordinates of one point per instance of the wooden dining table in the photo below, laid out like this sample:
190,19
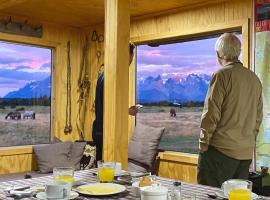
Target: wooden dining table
188,190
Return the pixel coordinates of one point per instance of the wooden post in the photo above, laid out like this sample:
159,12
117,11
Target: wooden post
116,78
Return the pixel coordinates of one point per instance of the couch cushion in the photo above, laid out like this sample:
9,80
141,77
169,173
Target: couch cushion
136,167
76,155
53,155
143,145
89,156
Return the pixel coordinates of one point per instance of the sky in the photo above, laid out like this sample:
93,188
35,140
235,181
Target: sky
177,60
22,64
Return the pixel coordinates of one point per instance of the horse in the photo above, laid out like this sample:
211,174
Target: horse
173,112
29,114
13,115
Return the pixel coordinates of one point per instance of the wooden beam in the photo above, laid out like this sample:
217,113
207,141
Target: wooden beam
189,33
246,41
117,26
9,3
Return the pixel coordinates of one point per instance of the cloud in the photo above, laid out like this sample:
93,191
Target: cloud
7,85
11,60
177,60
18,68
46,65
22,75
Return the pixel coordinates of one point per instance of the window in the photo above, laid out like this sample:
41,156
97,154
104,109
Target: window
172,82
25,94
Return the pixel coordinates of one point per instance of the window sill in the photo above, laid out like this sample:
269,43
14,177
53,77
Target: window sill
8,151
179,157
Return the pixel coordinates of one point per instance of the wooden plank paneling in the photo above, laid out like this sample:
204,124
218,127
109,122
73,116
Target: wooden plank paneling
17,163
178,171
116,81
9,151
81,13
195,19
180,166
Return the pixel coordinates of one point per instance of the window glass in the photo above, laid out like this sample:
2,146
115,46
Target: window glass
172,82
25,94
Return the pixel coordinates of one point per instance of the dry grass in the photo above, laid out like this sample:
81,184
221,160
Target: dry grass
25,131
184,124
182,131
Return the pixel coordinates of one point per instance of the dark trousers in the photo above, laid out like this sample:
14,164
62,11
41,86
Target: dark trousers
98,140
214,168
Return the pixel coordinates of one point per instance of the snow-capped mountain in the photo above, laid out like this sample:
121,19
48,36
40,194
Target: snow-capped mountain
191,88
34,89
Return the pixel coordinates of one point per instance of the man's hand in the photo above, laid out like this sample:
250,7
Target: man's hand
133,110
203,147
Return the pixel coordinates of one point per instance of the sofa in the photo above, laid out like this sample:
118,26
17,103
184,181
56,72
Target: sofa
142,154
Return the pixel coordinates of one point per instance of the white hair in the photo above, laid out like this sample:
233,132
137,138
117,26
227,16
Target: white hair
228,47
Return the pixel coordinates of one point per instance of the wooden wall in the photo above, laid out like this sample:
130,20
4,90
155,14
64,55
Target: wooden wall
180,23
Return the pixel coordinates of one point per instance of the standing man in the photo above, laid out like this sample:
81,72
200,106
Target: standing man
231,117
97,133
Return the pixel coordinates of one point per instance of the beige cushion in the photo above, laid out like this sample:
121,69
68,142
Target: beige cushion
53,155
132,167
144,143
77,150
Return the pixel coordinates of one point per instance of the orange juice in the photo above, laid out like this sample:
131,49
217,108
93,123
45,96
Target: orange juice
65,178
240,194
105,174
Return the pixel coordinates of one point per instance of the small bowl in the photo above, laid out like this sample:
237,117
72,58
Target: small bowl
136,189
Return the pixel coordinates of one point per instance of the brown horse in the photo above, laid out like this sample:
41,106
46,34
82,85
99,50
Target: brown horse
173,112
13,115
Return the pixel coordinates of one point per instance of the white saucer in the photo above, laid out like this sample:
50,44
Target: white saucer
42,195
221,194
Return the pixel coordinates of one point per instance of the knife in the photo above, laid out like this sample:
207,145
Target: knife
213,196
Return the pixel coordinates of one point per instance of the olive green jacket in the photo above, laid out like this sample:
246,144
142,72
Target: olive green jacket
233,112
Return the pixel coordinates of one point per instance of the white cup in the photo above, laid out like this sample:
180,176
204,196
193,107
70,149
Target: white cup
233,184
118,168
57,190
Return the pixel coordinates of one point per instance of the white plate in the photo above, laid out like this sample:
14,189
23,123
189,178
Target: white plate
42,195
101,189
221,194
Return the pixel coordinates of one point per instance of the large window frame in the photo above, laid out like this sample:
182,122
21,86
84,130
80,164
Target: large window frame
54,50
188,34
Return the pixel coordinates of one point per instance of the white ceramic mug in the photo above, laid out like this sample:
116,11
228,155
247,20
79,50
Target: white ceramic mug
57,190
154,193
232,184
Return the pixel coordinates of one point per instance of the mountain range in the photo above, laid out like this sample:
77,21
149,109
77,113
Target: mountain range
35,89
193,87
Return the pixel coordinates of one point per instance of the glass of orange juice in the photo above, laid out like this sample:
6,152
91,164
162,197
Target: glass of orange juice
241,191
64,174
106,171
240,194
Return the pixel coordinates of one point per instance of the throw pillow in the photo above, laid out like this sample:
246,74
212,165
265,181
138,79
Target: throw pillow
77,150
144,144
53,155
89,156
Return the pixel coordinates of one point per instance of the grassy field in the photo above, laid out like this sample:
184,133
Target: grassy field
25,131
182,131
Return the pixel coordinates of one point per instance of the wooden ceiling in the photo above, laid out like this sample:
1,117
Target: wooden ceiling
83,13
